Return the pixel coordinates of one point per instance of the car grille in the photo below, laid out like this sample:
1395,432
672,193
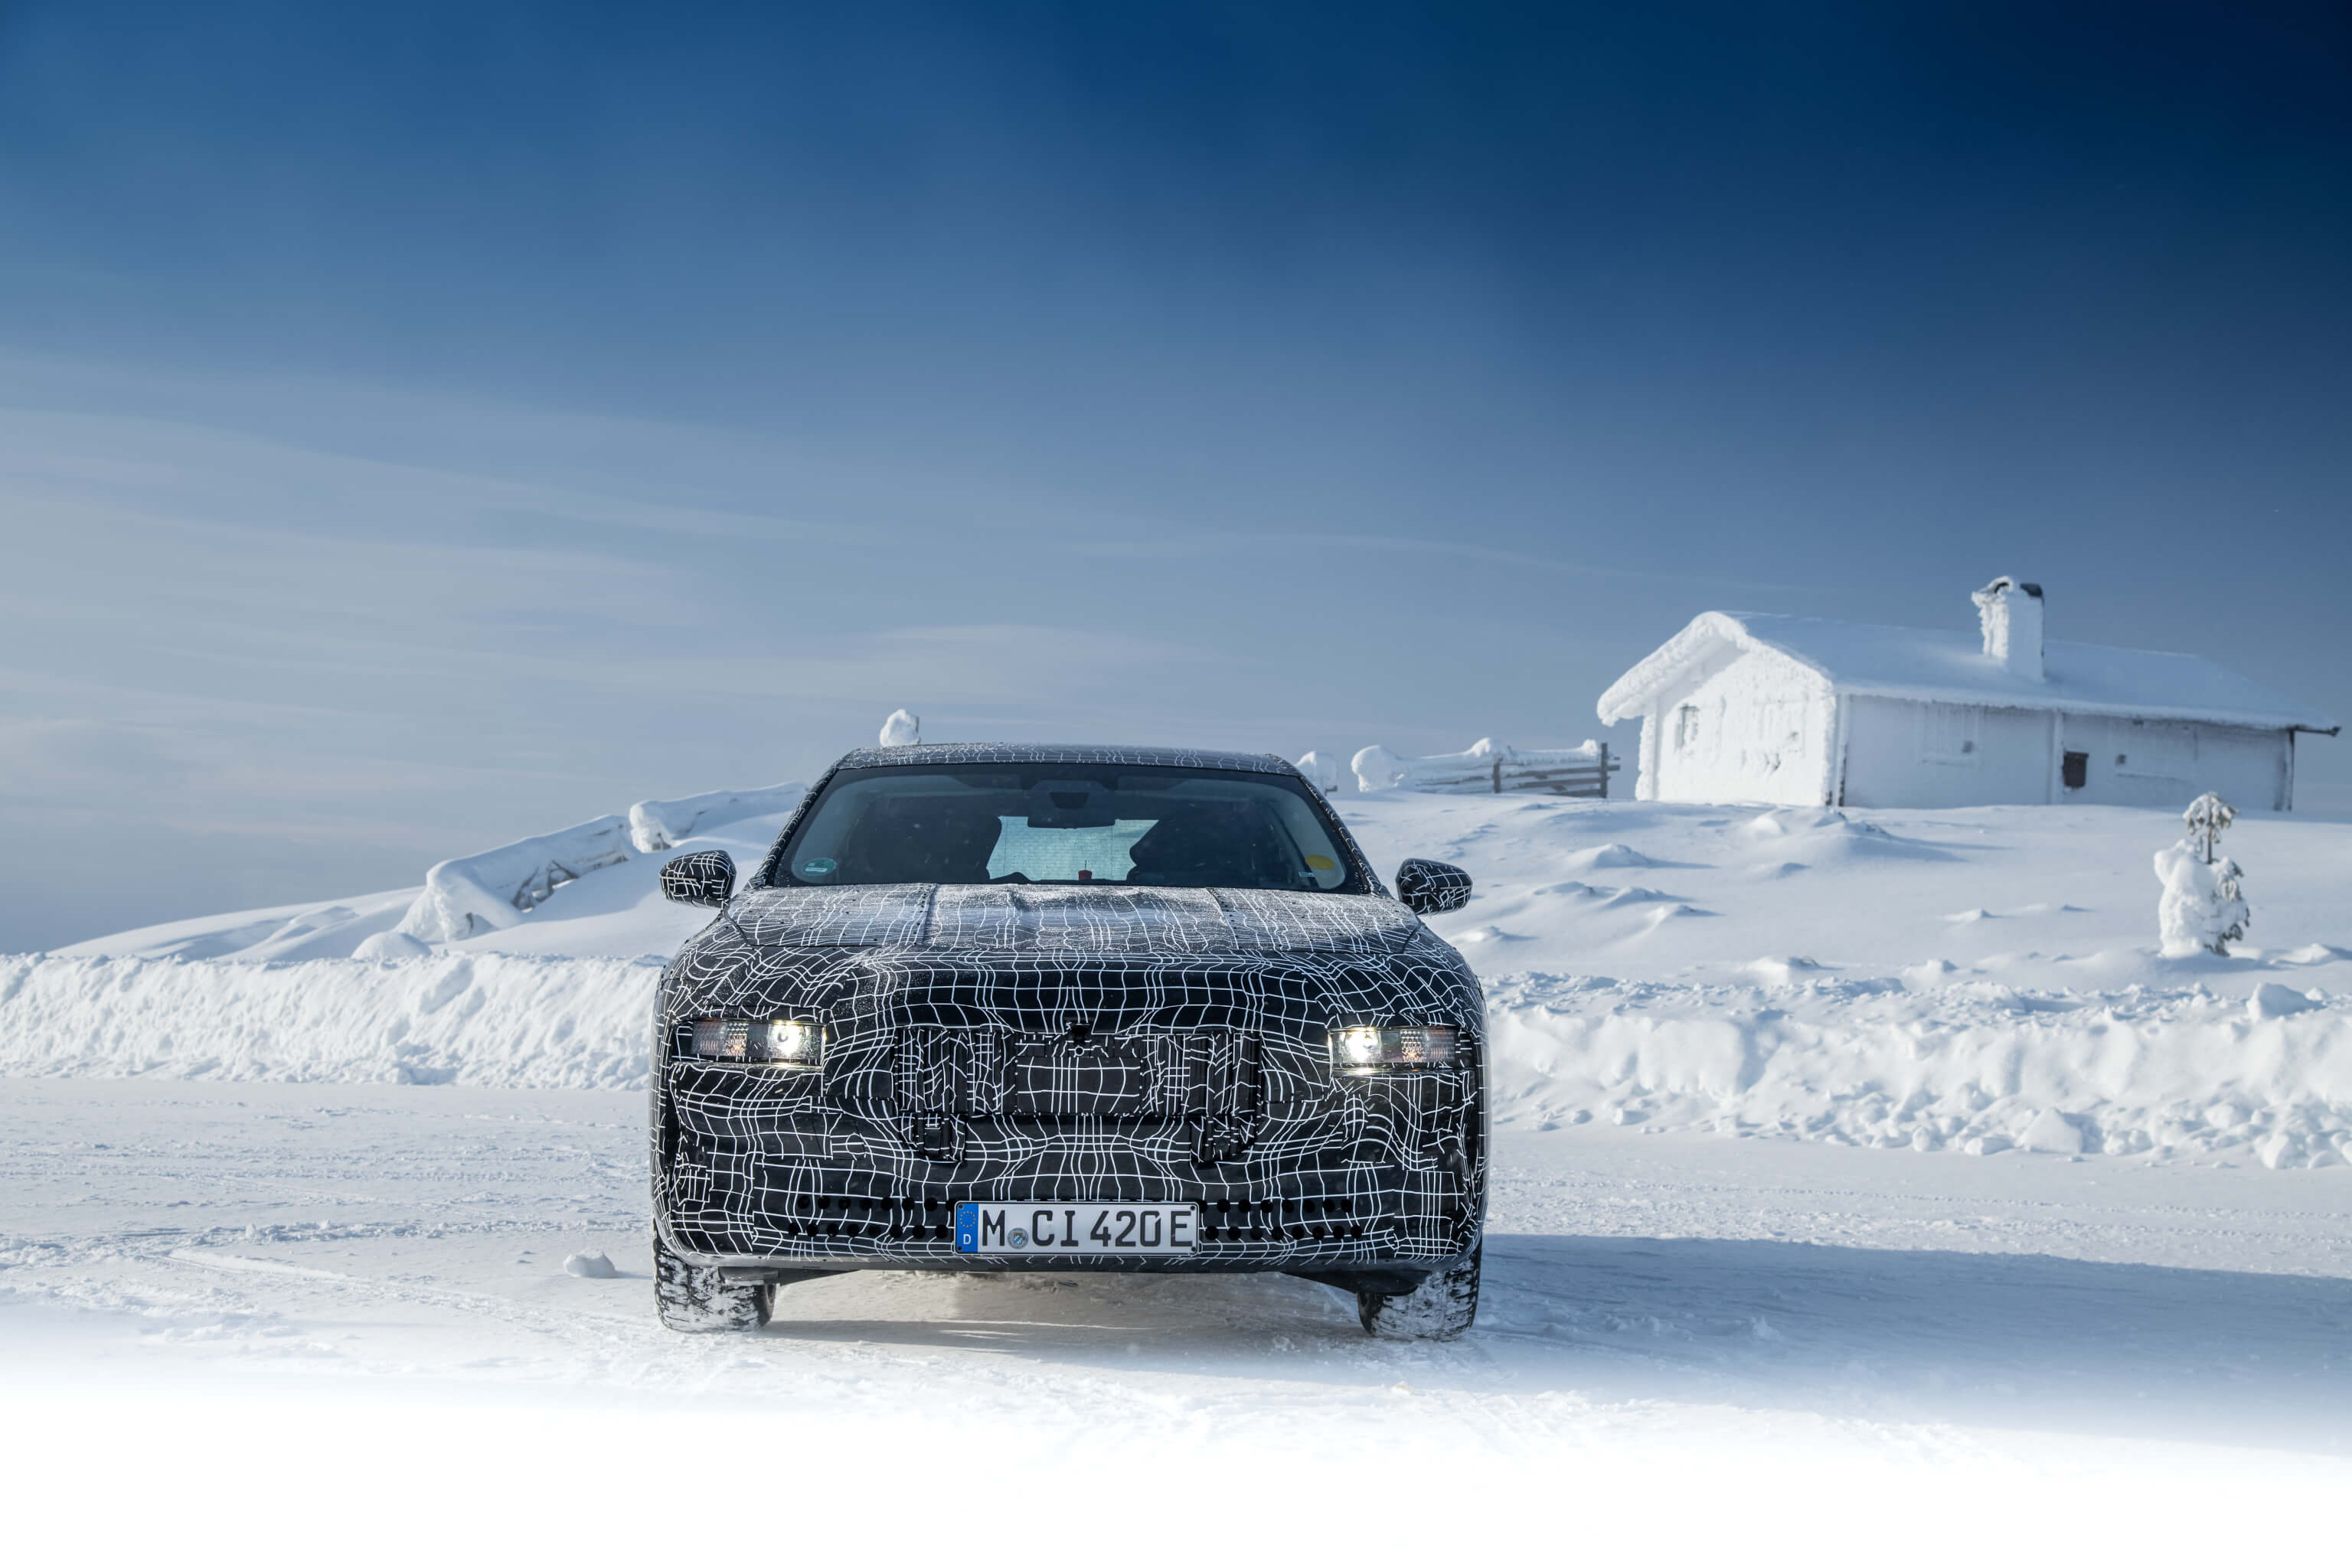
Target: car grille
872,1219
942,1078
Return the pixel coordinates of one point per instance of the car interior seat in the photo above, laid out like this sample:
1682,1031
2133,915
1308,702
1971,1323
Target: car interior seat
1224,845
923,840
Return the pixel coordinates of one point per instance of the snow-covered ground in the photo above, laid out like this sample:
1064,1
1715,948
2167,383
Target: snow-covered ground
288,1308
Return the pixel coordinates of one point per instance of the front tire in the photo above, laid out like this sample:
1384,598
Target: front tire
1442,1307
695,1299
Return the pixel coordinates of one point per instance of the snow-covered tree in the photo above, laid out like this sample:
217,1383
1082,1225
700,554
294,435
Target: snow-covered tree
2203,908
2206,815
902,729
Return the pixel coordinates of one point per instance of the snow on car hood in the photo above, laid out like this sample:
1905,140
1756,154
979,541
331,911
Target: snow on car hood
1016,919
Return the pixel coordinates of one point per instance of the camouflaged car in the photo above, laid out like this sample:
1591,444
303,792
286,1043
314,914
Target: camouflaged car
996,1008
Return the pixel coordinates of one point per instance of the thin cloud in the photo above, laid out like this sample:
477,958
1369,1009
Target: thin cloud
1193,545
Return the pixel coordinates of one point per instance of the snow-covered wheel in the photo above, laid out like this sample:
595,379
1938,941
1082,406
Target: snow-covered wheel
1442,1307
695,1299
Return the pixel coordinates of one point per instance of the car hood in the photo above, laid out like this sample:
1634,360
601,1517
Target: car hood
1017,919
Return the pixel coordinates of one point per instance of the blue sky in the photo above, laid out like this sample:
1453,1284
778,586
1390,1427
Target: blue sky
420,427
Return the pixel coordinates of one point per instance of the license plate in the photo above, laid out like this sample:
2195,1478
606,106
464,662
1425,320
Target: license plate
1076,1230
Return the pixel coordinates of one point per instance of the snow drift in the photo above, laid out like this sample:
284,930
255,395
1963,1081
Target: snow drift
1979,1067
494,1019
658,825
493,890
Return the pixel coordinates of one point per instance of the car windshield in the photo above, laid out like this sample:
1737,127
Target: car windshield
1053,822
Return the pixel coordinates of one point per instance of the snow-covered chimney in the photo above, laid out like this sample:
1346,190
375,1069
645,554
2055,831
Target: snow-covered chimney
2010,613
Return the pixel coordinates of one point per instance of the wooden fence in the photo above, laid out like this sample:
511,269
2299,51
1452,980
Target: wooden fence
1488,769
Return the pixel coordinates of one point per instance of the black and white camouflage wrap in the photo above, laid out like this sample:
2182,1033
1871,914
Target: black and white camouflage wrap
1052,1043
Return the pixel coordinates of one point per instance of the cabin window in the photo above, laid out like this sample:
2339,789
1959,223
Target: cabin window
1950,733
1685,726
2075,769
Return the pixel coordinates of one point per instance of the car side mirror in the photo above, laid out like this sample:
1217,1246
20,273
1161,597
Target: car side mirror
706,878
1431,886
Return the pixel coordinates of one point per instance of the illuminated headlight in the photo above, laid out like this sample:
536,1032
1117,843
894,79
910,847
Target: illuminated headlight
1381,1047
780,1042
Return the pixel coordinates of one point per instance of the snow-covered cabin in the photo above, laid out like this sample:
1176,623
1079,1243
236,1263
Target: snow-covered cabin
1797,711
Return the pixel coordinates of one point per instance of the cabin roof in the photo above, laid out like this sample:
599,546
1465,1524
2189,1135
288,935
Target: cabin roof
1952,667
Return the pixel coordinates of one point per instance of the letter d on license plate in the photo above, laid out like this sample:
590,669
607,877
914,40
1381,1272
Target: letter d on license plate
1068,1230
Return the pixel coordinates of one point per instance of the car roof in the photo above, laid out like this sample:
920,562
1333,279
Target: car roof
962,752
